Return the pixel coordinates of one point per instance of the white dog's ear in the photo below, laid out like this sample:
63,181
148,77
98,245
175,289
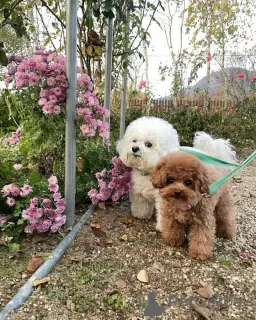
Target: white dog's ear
119,145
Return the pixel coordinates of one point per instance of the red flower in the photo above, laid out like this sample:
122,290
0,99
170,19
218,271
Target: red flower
209,58
243,255
142,84
241,75
144,99
250,94
254,78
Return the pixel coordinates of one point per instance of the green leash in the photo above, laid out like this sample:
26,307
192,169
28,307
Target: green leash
208,159
217,184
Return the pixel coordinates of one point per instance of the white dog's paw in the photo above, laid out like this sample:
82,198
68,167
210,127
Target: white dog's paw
141,215
158,226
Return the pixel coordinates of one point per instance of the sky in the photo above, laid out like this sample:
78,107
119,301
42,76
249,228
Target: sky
158,52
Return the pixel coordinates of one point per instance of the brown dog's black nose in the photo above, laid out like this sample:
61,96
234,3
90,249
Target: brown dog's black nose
135,149
177,194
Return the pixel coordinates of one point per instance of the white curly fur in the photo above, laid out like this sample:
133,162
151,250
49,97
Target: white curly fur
135,152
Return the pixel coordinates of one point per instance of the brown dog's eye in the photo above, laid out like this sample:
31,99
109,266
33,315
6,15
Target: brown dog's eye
188,182
170,180
148,144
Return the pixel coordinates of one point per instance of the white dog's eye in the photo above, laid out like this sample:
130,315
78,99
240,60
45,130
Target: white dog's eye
134,141
148,144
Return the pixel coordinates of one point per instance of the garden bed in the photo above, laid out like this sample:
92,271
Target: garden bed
97,277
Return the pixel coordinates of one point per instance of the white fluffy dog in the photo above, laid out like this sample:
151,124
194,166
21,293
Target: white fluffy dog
146,140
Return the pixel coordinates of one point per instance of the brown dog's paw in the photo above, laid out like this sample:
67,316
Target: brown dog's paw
200,255
173,241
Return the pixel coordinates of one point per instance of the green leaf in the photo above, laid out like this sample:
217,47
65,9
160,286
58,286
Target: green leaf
3,58
20,222
35,178
98,51
89,50
13,247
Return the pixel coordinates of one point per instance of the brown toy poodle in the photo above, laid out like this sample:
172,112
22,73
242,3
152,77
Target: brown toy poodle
183,182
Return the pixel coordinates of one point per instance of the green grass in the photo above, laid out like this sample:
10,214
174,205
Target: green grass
226,262
116,302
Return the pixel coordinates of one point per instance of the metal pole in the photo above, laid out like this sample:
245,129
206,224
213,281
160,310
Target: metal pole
125,82
70,148
108,69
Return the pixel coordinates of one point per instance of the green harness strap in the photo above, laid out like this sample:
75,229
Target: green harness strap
217,184
208,159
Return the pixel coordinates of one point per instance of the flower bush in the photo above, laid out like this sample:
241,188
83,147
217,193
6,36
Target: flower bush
43,78
39,211
113,184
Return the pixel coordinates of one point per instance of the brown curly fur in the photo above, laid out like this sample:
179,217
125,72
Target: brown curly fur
182,179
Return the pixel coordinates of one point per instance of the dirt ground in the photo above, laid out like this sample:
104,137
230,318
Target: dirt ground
97,277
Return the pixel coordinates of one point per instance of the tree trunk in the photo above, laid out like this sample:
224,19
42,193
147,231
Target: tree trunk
146,62
208,74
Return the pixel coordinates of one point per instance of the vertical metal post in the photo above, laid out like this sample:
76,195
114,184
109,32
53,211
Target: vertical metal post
70,147
125,83
108,69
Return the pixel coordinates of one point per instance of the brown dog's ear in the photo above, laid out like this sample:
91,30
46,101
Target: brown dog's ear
203,180
158,176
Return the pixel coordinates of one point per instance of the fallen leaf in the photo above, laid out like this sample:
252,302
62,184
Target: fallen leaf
109,241
70,305
37,238
34,263
142,276
2,239
79,164
124,237
37,282
99,233
254,243
203,311
127,238
121,284
128,222
102,206
74,259
206,291
95,225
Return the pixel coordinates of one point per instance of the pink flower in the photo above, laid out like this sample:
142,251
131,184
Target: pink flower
46,203
60,209
56,110
25,214
53,187
29,229
254,78
51,81
10,201
15,191
144,99
142,84
243,255
56,196
48,108
3,219
209,58
85,129
241,75
108,144
26,189
42,101
34,201
44,226
92,193
7,189
53,179
43,93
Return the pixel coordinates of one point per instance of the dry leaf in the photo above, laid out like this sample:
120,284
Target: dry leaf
70,305
206,291
34,263
124,237
2,239
254,243
102,206
203,311
121,284
142,276
99,233
37,238
74,259
40,281
79,164
95,225
128,222
109,242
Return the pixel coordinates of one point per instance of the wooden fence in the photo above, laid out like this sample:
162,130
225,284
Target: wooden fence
165,105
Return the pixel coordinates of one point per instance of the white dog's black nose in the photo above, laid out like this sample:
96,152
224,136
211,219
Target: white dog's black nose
135,149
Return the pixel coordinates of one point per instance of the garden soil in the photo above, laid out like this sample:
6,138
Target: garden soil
97,278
